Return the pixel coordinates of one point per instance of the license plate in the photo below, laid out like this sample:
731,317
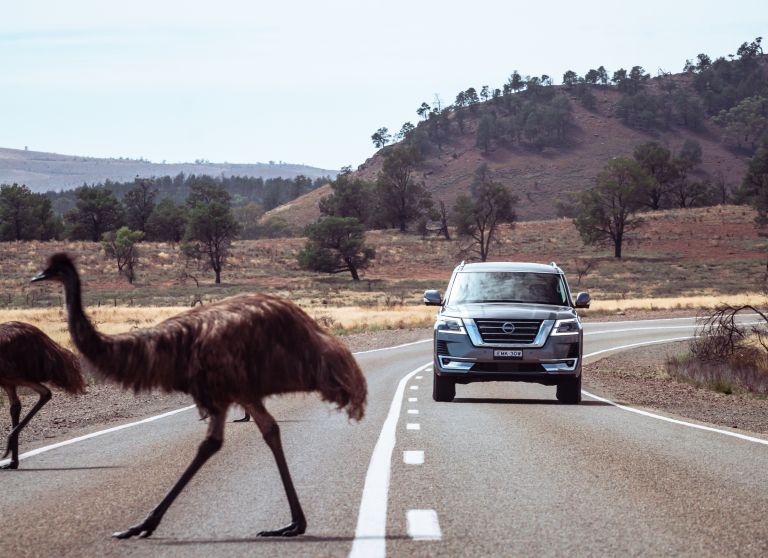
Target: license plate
507,354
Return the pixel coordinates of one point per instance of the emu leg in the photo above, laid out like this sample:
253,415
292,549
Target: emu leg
271,433
13,437
212,443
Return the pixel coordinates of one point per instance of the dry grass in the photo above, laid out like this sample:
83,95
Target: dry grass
746,371
705,302
109,320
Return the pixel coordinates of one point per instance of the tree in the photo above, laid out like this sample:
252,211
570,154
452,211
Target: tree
602,75
96,212
516,82
754,186
570,78
336,245
423,110
609,209
746,124
247,216
401,199
479,214
211,226
405,131
120,245
350,197
656,161
139,202
486,130
381,137
25,215
167,222
592,76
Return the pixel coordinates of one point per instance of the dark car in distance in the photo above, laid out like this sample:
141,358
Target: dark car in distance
508,321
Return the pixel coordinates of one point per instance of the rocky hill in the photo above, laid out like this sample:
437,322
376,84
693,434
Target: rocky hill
51,171
537,175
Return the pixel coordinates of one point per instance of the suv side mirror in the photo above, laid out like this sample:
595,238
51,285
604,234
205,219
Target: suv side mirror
583,300
433,298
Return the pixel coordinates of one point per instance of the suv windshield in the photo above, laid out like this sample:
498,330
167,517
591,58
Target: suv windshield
500,286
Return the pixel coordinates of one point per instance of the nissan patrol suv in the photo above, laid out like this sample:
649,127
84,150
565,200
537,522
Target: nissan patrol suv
507,321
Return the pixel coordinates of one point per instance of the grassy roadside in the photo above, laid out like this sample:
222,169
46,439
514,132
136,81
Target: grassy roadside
342,320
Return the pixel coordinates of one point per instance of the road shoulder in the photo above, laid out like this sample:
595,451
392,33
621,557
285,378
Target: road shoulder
636,378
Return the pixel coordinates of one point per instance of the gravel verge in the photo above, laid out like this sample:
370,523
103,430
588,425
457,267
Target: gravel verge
636,377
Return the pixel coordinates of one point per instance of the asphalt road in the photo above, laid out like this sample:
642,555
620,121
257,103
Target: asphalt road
502,471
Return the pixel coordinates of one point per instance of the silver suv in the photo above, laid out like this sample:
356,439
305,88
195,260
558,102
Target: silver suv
507,321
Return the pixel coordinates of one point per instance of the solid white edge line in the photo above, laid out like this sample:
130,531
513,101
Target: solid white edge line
57,445
395,347
371,531
656,320
630,346
655,328
661,417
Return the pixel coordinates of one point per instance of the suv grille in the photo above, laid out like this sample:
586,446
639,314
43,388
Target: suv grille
515,332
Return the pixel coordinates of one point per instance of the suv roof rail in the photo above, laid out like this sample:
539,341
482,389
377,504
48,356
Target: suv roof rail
557,267
461,265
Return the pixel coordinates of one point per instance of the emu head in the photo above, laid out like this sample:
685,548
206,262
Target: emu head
60,267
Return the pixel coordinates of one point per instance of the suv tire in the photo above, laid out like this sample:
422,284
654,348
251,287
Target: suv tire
569,391
443,389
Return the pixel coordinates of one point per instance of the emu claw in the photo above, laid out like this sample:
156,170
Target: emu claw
246,418
289,531
142,530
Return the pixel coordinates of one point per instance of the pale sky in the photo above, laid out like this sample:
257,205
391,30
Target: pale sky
308,81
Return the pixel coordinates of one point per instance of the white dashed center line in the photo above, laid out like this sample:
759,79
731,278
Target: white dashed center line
413,426
413,399
419,377
413,457
413,411
414,387
423,525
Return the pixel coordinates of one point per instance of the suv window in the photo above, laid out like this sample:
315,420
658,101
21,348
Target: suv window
500,286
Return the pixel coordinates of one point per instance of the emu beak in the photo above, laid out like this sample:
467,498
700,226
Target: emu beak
40,277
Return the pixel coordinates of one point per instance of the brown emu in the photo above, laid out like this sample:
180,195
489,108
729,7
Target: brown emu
28,357
239,350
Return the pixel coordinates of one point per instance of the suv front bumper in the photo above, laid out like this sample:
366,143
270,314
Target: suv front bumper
556,357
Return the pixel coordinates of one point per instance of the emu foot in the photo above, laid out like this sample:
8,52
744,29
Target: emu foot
246,418
11,465
142,530
289,531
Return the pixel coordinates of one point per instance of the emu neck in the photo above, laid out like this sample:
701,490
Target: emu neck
86,338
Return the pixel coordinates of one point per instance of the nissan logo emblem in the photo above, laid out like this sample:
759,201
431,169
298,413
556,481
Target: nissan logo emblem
508,328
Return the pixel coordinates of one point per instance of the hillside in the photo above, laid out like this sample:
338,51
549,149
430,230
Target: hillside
50,171
537,176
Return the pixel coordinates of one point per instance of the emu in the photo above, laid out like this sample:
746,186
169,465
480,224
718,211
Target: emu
235,351
28,357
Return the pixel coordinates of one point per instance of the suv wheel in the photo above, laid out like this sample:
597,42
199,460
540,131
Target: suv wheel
443,389
569,391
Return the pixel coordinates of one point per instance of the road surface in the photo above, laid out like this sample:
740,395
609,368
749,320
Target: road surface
504,470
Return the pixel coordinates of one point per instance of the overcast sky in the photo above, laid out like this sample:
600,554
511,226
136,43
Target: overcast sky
308,81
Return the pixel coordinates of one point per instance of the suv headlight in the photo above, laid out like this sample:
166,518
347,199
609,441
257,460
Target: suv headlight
562,327
452,325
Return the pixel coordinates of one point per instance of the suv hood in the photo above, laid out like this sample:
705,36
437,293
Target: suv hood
508,310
